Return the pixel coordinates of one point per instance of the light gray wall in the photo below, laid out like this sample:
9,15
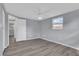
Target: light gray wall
33,29
20,29
1,31
68,36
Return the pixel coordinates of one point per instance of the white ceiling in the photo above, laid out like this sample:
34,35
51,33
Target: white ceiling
35,10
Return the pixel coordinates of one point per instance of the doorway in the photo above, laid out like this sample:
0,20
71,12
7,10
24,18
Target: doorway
17,30
12,39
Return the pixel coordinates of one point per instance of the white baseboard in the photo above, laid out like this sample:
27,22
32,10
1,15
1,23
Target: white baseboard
61,43
52,41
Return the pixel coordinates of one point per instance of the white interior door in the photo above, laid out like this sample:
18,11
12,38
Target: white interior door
20,29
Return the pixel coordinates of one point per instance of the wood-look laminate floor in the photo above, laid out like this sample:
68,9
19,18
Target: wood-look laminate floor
39,47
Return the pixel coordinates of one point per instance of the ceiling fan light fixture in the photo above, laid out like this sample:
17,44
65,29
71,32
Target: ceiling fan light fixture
40,18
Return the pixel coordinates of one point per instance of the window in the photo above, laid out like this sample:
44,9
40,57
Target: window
57,23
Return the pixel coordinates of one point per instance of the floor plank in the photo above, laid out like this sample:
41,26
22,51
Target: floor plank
39,47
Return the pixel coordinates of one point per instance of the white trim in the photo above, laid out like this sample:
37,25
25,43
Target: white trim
3,15
8,30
